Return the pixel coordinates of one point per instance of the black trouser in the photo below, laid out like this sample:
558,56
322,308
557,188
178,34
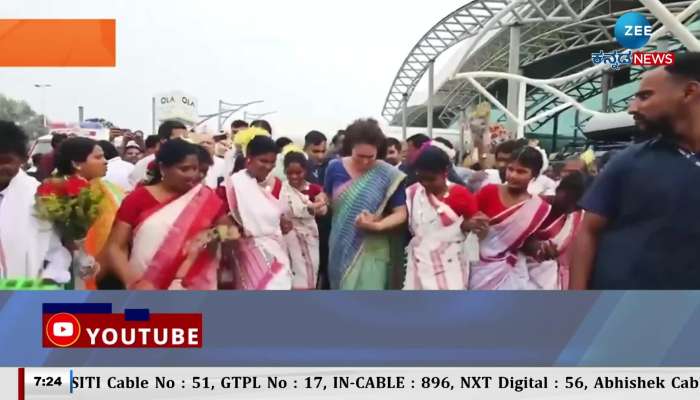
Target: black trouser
324,232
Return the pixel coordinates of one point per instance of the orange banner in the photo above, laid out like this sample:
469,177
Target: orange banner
57,43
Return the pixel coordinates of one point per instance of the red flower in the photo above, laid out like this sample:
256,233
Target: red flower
51,187
46,189
74,185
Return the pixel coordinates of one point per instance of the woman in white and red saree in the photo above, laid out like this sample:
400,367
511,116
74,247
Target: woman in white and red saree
151,243
304,202
559,231
259,259
514,216
438,217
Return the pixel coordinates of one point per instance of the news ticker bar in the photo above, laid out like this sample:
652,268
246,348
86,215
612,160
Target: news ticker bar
356,383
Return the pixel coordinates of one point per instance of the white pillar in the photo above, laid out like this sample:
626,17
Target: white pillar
513,68
606,81
522,91
670,22
404,117
153,116
43,105
462,133
220,122
431,90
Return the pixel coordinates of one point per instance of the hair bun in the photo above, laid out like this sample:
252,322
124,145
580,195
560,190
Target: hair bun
450,152
292,148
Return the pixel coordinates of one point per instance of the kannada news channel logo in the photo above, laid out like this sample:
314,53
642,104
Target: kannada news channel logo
632,31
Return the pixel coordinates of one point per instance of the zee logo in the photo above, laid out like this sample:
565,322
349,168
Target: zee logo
632,30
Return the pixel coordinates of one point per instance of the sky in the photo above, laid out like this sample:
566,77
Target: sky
318,64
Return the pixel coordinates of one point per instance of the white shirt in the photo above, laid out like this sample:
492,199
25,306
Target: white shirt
278,171
229,161
545,159
215,172
140,170
542,186
118,172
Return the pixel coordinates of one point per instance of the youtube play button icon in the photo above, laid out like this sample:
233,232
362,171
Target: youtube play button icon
63,329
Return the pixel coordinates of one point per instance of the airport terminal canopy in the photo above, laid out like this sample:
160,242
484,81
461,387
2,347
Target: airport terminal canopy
547,40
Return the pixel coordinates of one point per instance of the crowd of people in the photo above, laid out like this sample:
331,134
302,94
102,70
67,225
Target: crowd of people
186,211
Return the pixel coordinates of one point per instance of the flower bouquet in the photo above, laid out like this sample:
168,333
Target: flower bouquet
498,134
72,205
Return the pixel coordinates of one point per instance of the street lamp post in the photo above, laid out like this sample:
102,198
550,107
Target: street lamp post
226,110
43,87
224,114
247,114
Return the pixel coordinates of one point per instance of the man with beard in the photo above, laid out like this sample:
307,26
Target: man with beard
393,152
315,147
641,228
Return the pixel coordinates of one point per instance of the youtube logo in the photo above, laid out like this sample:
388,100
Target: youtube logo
63,329
94,325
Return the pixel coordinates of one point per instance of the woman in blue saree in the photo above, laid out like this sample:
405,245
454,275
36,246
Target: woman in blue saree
369,206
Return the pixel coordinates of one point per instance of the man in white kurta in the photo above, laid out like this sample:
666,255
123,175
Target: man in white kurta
168,130
118,172
29,247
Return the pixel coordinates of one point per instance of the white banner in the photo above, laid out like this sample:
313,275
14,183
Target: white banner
176,105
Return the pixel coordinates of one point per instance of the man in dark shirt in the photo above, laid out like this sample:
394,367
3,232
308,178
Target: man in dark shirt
337,144
393,152
315,146
413,146
642,223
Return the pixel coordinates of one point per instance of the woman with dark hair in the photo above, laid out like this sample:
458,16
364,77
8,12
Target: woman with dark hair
304,202
253,195
83,158
158,239
369,204
206,161
234,159
514,215
439,215
283,143
550,259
